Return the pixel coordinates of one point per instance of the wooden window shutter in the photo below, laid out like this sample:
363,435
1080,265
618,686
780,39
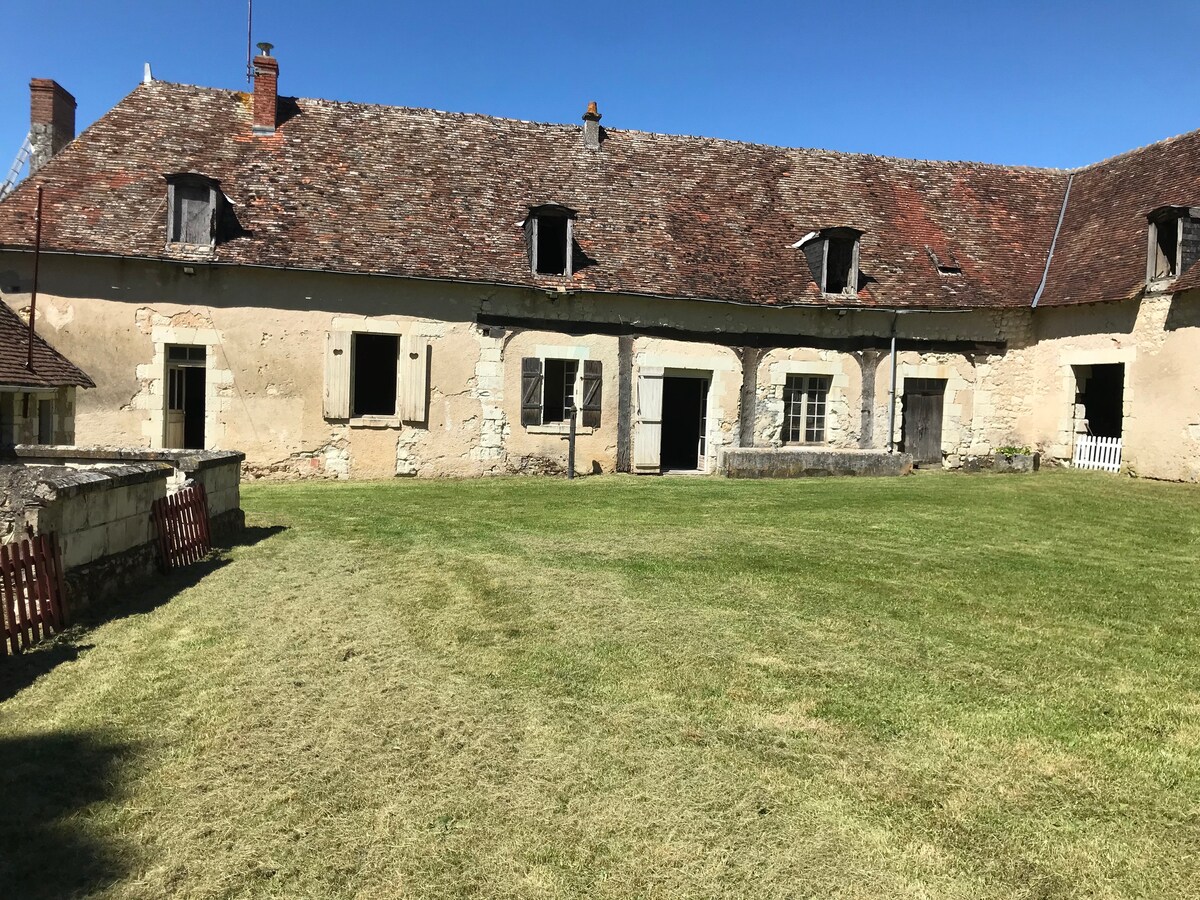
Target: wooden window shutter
337,374
814,252
647,435
531,242
592,381
570,251
1189,243
531,391
413,372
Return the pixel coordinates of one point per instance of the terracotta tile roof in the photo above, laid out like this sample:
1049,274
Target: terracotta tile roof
415,192
1101,252
50,368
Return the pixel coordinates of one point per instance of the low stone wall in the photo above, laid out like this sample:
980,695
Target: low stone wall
98,501
806,462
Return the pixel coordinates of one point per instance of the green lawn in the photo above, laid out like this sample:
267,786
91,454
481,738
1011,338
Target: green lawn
936,686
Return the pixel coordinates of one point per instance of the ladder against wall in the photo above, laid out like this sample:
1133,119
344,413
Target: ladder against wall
1092,452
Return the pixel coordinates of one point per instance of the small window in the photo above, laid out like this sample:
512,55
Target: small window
186,353
804,402
551,387
373,365
1164,247
549,234
191,210
45,421
1174,245
839,264
558,395
833,259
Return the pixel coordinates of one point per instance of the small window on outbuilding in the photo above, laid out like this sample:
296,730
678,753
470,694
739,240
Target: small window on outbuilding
192,210
549,237
1174,242
832,256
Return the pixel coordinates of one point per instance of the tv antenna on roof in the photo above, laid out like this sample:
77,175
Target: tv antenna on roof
249,31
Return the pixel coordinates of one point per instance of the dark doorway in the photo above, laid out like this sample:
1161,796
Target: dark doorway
1101,390
684,423
186,366
922,411
193,413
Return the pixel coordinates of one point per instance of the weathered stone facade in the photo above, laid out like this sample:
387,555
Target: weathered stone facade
265,335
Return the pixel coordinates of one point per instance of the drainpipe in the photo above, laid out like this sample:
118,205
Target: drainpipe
892,392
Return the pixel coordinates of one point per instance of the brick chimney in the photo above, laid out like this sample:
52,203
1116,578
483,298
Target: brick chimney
51,120
591,127
266,90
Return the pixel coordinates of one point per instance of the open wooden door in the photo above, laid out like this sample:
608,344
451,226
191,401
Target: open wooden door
647,433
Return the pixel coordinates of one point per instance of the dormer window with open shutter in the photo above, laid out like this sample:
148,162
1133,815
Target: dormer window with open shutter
1174,242
832,255
549,237
193,205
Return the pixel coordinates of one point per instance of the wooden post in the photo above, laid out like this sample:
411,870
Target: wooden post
571,444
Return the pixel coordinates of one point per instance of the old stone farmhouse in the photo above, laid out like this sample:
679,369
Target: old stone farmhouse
348,290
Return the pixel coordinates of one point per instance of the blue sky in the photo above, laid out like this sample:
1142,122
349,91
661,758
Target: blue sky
1037,83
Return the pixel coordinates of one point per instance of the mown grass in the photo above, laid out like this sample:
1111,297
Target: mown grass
938,686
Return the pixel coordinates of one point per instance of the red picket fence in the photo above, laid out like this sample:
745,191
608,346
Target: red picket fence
32,592
182,524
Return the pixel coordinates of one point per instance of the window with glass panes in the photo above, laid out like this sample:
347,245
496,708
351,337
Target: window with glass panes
805,398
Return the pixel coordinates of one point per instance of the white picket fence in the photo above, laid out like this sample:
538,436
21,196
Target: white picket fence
1093,452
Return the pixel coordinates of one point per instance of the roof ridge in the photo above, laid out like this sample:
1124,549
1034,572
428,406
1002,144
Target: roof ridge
637,132
1136,150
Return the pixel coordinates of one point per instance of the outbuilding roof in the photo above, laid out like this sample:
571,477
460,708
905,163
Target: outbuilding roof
50,368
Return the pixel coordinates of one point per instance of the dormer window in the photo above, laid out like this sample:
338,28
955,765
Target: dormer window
549,236
192,206
1174,241
832,256
945,262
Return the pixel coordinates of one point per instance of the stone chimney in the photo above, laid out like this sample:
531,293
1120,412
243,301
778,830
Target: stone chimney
51,121
266,90
591,127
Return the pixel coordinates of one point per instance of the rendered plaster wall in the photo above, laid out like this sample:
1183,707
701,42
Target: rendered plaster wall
265,334
1157,339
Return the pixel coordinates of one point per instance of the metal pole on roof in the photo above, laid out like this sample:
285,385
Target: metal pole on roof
249,38
37,255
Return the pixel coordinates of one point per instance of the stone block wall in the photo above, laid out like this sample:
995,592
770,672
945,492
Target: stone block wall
98,502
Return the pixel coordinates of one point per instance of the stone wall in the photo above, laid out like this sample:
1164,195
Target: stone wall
98,502
806,462
265,335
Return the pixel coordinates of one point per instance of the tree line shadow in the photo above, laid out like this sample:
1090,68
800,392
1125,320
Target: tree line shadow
46,781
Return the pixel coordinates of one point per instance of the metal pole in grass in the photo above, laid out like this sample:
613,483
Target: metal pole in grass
571,444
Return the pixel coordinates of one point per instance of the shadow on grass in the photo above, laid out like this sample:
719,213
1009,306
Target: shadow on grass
48,781
18,672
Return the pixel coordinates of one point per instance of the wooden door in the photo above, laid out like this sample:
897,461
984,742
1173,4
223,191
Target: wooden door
923,402
176,403
647,435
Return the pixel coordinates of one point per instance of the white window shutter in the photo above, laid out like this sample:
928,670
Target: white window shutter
413,389
337,374
647,436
